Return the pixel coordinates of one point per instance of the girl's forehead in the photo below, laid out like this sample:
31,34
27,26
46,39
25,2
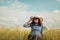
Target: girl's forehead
35,18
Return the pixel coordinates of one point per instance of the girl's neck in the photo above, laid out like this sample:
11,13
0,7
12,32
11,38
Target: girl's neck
36,23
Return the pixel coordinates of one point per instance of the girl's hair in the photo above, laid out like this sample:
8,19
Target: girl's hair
33,23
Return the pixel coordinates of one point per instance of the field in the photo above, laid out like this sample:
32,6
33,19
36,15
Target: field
22,34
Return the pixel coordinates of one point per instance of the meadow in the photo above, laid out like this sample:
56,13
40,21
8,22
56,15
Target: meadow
22,34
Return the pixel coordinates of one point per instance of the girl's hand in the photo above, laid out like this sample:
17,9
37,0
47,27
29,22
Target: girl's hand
31,18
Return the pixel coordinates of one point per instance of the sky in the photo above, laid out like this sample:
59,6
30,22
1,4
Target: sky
18,11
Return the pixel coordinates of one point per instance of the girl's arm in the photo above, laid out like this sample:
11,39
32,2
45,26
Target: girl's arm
42,28
27,24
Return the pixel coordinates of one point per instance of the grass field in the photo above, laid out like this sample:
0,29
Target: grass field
22,34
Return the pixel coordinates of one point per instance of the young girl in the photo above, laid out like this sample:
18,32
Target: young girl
36,27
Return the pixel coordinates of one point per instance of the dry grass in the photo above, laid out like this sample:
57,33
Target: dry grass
22,34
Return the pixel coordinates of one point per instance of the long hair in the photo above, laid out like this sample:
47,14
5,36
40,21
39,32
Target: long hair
33,23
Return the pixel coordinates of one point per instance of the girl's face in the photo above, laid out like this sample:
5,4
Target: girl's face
36,21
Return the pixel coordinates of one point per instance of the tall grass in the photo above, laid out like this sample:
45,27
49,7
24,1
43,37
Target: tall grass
22,34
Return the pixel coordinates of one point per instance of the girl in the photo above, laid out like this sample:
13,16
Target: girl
36,27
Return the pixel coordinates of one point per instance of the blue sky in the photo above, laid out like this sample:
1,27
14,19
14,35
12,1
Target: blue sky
17,11
37,5
40,5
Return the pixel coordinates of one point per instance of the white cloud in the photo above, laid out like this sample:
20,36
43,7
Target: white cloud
16,12
14,4
12,11
57,11
58,0
8,21
18,5
3,19
1,0
14,19
15,7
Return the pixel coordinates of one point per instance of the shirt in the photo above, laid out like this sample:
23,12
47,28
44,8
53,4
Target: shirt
35,30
